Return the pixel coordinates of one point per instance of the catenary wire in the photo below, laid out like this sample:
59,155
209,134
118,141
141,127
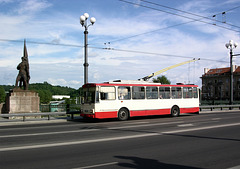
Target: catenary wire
112,49
193,20
204,17
177,15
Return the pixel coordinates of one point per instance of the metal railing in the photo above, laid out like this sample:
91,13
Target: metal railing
221,107
59,108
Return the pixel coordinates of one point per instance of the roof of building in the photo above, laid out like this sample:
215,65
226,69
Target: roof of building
217,71
237,70
221,71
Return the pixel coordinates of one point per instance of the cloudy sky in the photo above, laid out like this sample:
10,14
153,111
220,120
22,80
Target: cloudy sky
143,37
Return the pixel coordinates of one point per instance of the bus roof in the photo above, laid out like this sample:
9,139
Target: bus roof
135,83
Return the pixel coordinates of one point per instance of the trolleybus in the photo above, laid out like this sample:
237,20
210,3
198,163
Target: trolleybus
123,99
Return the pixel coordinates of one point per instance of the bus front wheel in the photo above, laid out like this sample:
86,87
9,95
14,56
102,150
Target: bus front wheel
123,114
175,111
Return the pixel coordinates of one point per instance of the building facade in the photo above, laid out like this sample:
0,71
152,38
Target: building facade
216,83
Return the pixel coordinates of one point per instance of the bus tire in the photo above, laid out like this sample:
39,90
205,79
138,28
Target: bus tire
175,111
123,114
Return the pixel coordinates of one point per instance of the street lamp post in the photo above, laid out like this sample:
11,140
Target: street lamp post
231,45
83,22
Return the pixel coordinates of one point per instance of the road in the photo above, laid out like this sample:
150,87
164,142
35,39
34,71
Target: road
208,140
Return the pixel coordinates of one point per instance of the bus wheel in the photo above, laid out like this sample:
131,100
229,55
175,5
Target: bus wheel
123,114
175,111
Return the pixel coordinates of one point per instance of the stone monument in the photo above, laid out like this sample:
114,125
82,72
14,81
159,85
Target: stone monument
20,99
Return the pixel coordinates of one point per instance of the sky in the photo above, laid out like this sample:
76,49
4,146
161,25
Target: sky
129,40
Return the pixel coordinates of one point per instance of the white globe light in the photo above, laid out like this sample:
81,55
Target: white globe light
235,44
86,15
82,18
227,45
231,42
92,20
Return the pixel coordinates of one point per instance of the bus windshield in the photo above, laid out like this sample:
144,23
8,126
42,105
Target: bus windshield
90,95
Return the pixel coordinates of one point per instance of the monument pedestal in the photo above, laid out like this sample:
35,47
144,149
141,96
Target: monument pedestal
22,101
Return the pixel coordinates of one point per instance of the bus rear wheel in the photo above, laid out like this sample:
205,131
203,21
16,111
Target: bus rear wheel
175,111
123,114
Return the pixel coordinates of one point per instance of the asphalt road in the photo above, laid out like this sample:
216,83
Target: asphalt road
208,140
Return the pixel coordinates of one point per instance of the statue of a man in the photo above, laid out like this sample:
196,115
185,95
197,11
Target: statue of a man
23,75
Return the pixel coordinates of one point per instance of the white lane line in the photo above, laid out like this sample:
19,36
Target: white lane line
200,128
49,133
112,138
235,167
87,130
216,119
185,125
98,165
77,142
141,122
143,125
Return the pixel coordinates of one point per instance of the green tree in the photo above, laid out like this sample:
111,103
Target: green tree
2,94
45,96
161,79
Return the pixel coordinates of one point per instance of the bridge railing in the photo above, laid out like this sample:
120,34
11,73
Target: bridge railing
221,107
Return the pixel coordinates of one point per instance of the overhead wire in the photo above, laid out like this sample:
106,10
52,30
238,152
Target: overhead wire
190,13
110,49
42,43
177,15
193,20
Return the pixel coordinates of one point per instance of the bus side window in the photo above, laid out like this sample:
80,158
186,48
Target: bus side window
138,92
124,93
107,93
187,92
176,92
152,92
164,92
195,92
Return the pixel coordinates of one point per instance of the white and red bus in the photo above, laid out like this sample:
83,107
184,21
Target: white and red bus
123,99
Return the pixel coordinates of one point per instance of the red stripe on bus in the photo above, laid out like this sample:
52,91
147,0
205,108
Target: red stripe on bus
149,112
189,110
134,113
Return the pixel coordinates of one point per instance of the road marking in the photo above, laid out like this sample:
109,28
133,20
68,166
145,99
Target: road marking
49,133
185,125
216,119
98,165
87,130
201,128
77,142
235,167
143,125
111,138
141,122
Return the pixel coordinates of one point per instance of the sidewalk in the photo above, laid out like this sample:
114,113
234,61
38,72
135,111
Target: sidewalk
7,122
